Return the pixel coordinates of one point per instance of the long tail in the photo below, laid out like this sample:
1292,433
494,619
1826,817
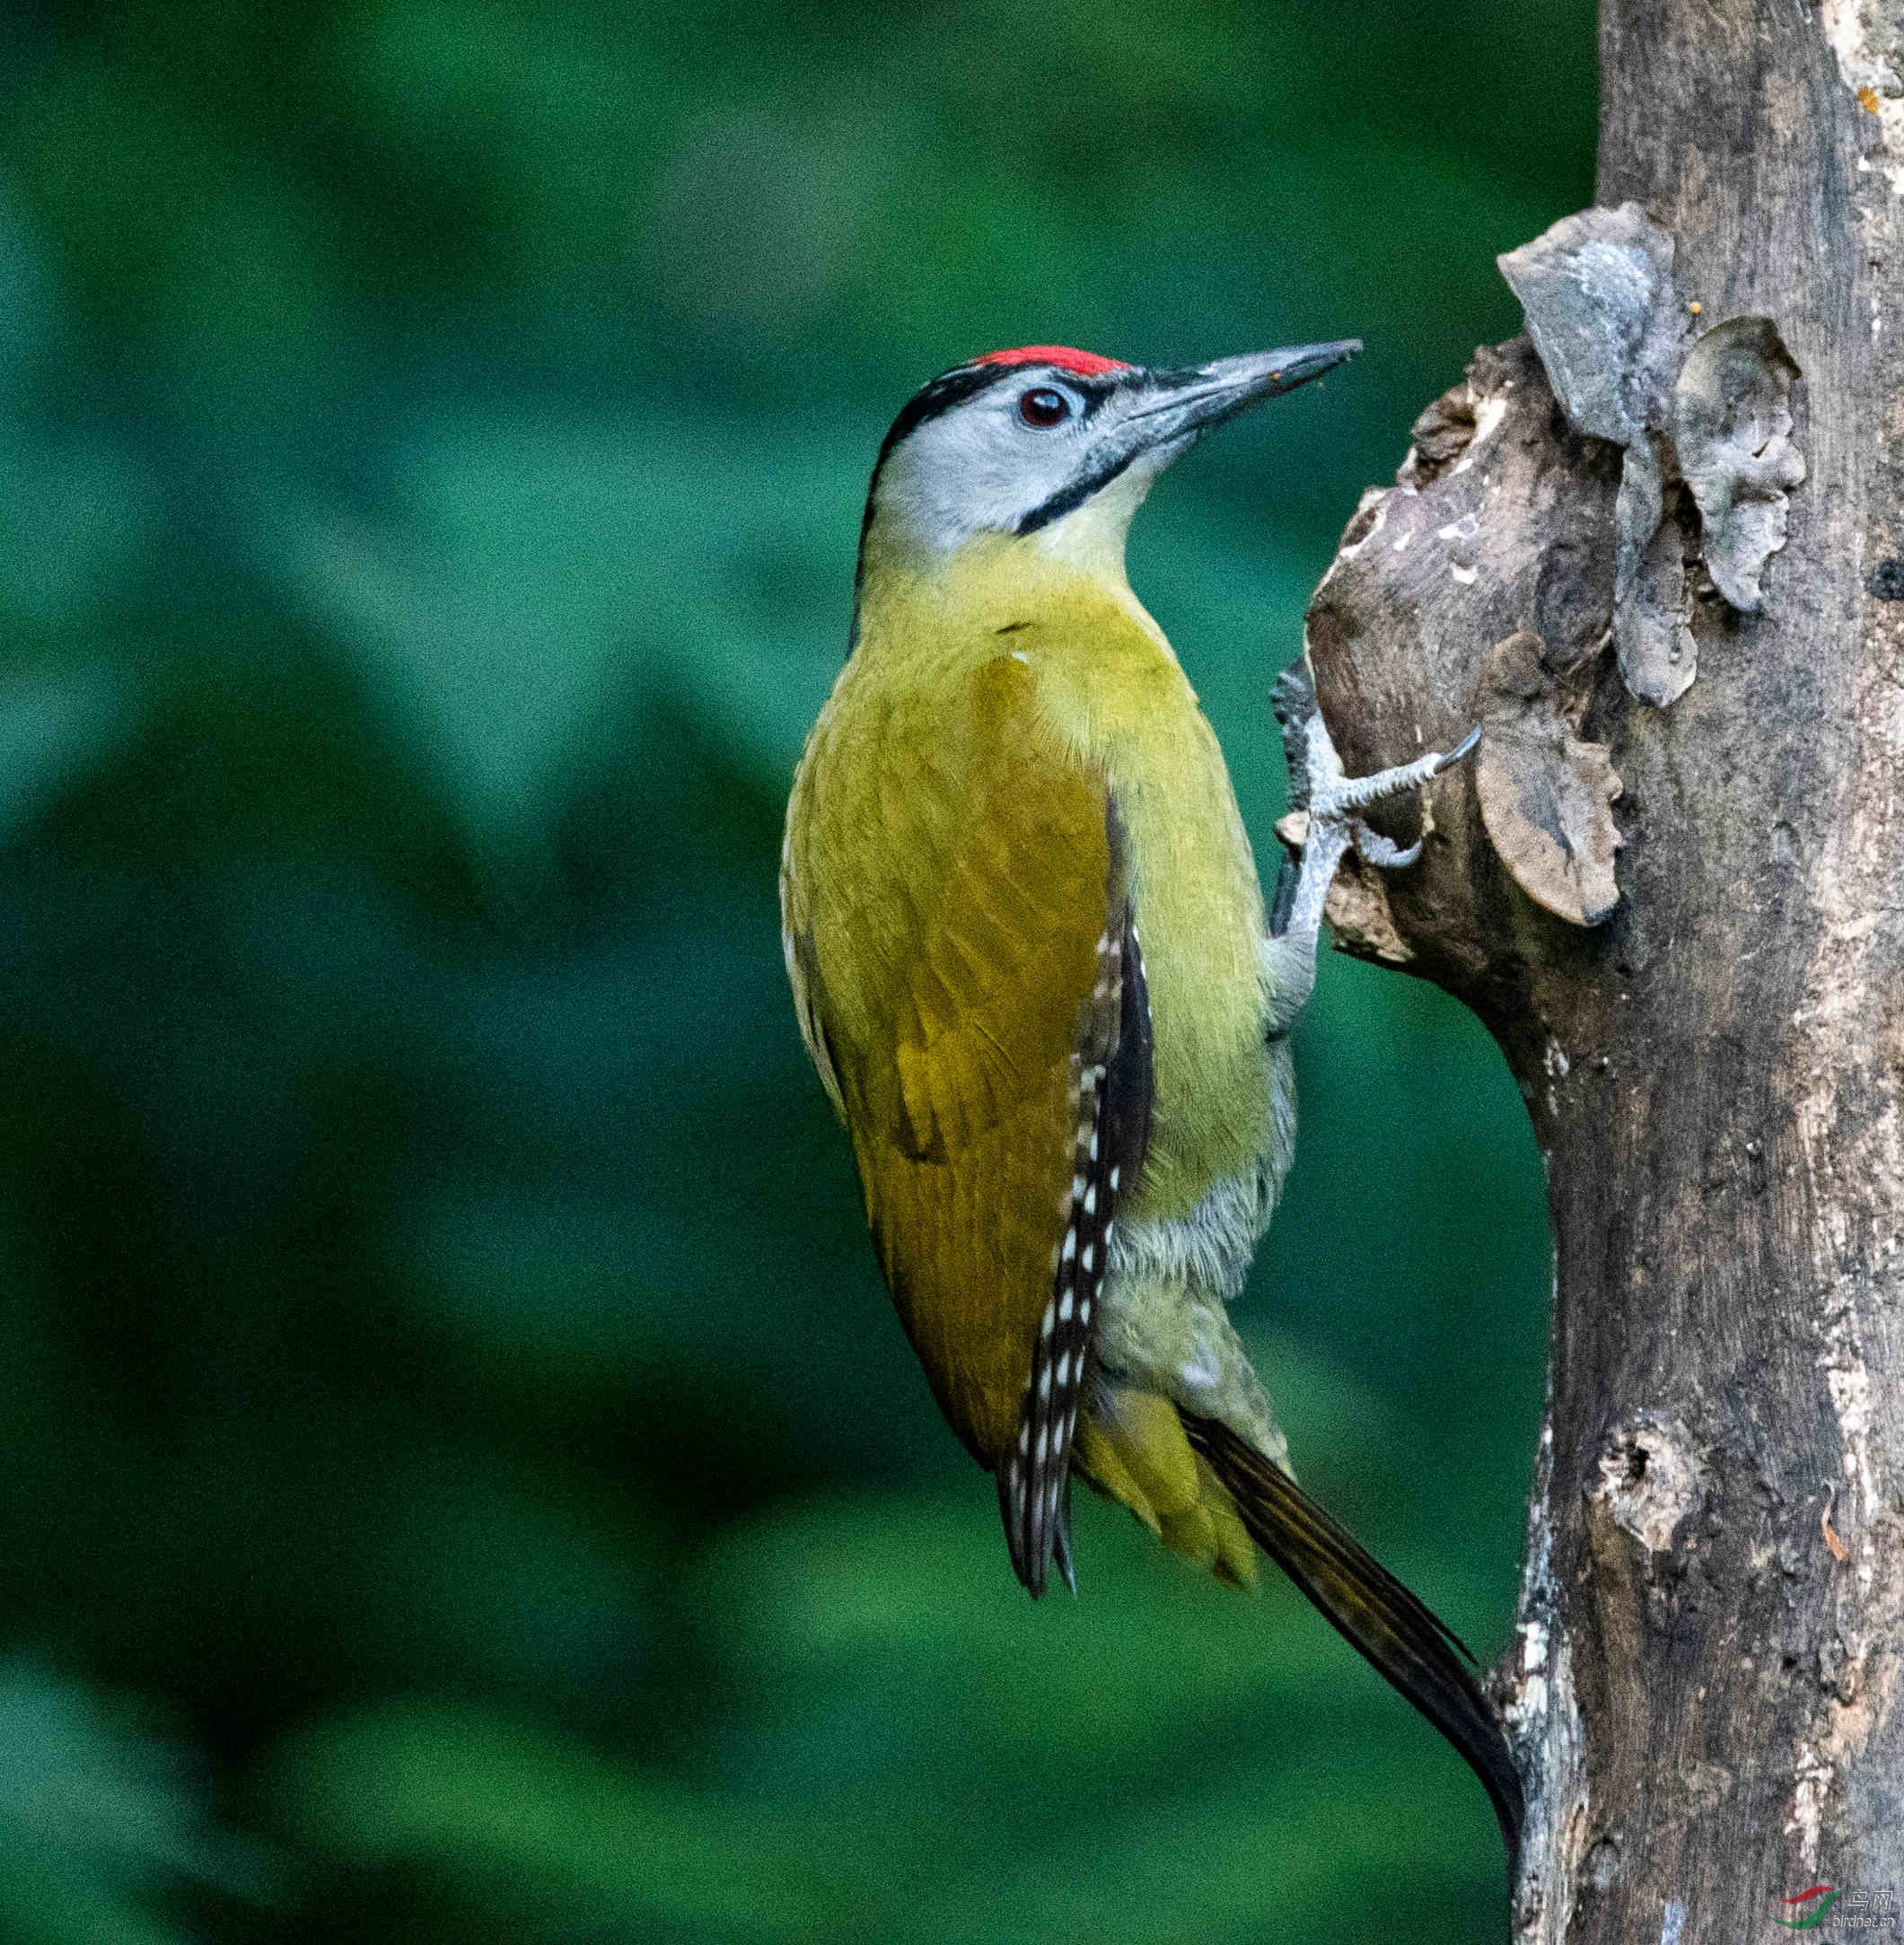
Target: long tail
1370,1610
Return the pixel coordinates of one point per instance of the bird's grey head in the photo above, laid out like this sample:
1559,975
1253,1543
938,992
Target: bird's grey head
1014,442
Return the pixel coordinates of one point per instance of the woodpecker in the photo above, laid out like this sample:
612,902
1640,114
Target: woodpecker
1031,963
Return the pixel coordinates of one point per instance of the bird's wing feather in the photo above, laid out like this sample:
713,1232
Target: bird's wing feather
1111,1099
956,988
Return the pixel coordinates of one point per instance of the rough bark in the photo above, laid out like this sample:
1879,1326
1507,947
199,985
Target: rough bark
1704,1689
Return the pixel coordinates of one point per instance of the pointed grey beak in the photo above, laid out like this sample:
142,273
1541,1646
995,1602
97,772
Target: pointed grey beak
1186,400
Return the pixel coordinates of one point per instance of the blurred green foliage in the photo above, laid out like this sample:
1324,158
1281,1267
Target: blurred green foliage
459,1476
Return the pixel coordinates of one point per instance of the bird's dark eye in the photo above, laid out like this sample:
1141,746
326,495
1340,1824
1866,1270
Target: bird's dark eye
1044,408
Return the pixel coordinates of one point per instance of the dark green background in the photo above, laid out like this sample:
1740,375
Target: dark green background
459,1476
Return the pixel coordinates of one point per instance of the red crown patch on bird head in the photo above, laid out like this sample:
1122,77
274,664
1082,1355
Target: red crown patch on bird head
1085,364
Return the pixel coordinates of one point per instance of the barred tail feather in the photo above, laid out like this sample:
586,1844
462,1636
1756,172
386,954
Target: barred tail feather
1385,1624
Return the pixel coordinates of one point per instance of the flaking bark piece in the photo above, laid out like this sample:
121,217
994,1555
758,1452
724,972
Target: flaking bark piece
1546,795
1597,293
1733,426
1652,633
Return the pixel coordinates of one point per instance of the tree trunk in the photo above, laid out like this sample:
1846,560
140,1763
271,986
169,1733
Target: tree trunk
1705,1688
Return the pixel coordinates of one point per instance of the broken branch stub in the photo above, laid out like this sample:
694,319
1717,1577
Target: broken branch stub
1556,502
1500,525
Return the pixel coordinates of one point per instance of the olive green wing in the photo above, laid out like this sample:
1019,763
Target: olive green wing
958,905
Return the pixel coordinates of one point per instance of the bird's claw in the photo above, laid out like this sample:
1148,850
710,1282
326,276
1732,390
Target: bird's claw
1383,853
1317,786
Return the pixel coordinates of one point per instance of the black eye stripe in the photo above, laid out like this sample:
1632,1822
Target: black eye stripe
1067,499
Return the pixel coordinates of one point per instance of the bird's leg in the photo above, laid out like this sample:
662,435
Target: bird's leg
1331,804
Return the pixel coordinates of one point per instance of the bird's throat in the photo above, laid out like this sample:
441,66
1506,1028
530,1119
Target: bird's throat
1066,582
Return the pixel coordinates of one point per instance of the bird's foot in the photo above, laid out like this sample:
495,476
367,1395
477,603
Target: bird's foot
1335,799
1325,817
